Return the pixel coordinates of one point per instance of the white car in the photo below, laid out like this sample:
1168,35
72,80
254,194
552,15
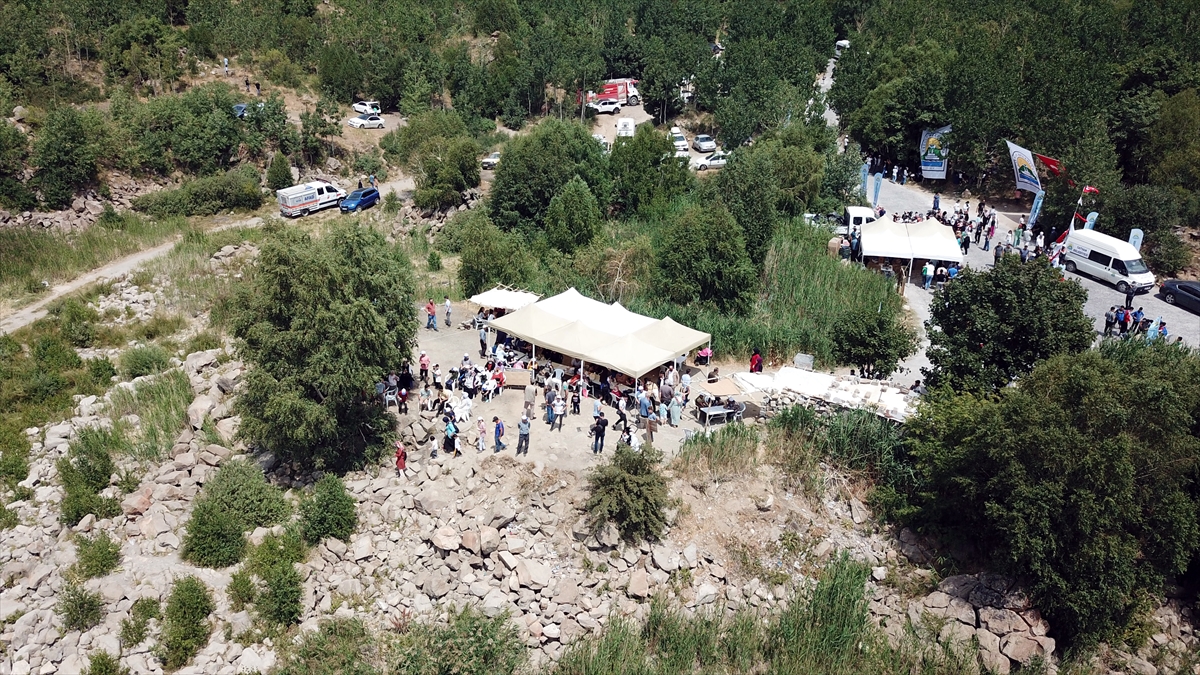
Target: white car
491,161
605,105
713,161
366,121
603,142
678,139
704,143
366,107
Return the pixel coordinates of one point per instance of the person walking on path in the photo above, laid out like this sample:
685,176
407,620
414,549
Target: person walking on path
447,303
523,435
247,85
423,362
401,458
756,361
927,273
558,412
598,430
430,315
676,410
481,439
500,444
622,419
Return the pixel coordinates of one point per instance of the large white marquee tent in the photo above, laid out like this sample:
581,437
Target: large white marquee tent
926,240
606,335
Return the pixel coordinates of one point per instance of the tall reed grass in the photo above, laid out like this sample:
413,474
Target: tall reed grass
29,256
804,293
161,405
727,452
194,286
825,631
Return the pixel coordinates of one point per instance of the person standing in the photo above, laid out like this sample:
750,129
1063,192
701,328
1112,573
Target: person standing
756,362
226,66
651,426
257,89
430,315
372,181
447,303
676,409
598,430
247,85
423,362
622,419
1129,299
530,398
1110,319
927,273
558,412
483,333
401,458
500,444
937,201
481,438
523,435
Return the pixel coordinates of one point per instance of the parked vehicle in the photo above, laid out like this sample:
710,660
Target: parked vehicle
1184,294
678,139
625,127
603,142
623,90
239,110
605,105
839,47
367,107
857,216
491,161
714,161
360,199
704,143
303,199
366,121
1107,259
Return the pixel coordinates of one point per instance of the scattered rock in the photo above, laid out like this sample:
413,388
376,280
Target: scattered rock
639,584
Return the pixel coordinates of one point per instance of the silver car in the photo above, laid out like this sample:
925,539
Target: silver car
367,122
704,143
713,161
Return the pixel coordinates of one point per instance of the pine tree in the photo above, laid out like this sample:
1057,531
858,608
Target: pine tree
279,174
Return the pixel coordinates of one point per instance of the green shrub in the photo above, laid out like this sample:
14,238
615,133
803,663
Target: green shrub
91,454
78,503
629,491
55,355
471,644
241,590
340,647
391,203
202,342
329,513
280,600
161,404
8,518
14,456
96,556
133,627
80,610
240,488
434,260
730,451
158,326
237,189
75,319
101,370
143,360
103,663
214,536
185,626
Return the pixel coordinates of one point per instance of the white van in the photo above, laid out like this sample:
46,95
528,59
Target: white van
1107,259
625,127
301,200
857,216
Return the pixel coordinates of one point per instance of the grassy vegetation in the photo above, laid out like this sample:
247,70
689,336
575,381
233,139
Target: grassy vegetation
79,609
161,405
728,452
96,556
39,374
29,256
805,293
185,626
235,189
825,631
330,512
134,627
194,288
340,647
86,470
143,360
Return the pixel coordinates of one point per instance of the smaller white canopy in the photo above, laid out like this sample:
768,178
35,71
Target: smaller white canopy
928,239
505,298
932,240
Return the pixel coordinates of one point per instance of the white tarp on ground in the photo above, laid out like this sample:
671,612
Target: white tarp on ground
878,397
505,298
926,240
607,335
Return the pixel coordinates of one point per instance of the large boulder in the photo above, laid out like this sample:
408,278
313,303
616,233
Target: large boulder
639,584
433,502
494,603
533,575
199,410
446,539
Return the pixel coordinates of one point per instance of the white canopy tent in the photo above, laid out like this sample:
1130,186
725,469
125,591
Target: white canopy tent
505,298
607,335
926,240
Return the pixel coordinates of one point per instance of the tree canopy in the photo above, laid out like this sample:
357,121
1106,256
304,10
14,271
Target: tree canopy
1084,478
701,258
991,326
322,320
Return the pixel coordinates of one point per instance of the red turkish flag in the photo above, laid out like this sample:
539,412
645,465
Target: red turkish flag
1089,190
1052,165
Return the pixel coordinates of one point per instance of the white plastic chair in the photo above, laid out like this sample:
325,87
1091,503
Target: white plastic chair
390,397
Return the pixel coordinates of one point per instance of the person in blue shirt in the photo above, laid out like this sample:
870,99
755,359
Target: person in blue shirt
953,271
500,445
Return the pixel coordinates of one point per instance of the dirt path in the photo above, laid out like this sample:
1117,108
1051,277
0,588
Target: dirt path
30,313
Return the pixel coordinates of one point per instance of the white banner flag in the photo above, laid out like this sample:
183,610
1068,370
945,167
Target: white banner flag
1023,169
934,157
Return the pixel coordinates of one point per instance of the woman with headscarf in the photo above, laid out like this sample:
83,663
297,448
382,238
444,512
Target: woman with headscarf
756,362
676,409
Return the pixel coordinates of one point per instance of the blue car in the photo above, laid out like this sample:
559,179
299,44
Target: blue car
360,199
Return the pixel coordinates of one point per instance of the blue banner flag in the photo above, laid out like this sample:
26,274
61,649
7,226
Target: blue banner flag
1037,208
878,184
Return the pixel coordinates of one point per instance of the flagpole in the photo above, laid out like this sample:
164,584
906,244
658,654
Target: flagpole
1075,211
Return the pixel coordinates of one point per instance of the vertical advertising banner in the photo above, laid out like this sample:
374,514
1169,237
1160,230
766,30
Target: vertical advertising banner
878,184
1135,238
866,172
935,157
1037,208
